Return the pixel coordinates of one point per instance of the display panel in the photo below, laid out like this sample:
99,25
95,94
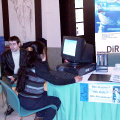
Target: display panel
67,47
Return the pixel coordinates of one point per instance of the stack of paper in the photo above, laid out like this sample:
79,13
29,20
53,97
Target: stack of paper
115,78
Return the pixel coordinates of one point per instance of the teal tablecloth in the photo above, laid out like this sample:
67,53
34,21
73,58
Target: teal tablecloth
74,109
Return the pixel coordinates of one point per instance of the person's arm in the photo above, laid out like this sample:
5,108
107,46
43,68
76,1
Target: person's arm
43,72
45,65
4,69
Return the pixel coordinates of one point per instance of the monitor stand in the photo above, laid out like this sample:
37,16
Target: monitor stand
75,68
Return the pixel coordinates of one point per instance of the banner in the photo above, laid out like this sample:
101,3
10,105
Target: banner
100,92
107,25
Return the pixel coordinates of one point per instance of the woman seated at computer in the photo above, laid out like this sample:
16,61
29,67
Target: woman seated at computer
31,79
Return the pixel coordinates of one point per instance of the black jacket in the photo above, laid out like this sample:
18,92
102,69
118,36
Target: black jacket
42,71
7,63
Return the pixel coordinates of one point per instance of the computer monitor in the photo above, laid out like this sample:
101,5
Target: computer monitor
76,50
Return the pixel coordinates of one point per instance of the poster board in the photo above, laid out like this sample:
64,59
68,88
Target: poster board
107,26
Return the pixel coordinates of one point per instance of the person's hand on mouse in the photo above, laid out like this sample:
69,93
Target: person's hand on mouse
78,78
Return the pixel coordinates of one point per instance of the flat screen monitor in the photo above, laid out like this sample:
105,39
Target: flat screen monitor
76,50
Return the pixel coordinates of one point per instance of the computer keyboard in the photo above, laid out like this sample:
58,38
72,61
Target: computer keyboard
62,75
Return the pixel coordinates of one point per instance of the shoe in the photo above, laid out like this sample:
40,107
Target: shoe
38,118
9,111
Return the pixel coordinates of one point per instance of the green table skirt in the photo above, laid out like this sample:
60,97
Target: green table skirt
73,109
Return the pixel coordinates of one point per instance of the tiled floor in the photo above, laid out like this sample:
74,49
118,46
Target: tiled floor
14,115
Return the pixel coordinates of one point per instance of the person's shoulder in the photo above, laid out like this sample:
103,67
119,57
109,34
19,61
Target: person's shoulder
6,52
40,65
23,50
37,63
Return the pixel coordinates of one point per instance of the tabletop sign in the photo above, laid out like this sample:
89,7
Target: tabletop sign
100,92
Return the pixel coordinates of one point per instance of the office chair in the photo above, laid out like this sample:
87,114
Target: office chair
13,101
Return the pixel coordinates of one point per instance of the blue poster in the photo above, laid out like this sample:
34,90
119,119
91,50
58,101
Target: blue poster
107,26
83,92
2,45
107,16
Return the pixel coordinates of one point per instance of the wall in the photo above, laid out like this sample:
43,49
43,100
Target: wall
51,30
51,22
1,20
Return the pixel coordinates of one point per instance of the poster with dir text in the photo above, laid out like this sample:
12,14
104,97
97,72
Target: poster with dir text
107,26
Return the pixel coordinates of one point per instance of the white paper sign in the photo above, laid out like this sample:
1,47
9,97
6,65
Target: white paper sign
100,93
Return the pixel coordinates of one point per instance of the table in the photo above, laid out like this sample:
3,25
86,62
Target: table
74,109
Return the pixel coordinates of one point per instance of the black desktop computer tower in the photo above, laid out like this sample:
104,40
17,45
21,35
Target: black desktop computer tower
80,69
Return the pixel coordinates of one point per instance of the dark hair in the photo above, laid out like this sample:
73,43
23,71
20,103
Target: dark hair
14,38
34,54
30,60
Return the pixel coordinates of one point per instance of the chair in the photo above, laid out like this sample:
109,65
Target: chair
4,102
13,101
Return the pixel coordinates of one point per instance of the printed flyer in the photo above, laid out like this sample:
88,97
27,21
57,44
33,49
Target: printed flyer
100,92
